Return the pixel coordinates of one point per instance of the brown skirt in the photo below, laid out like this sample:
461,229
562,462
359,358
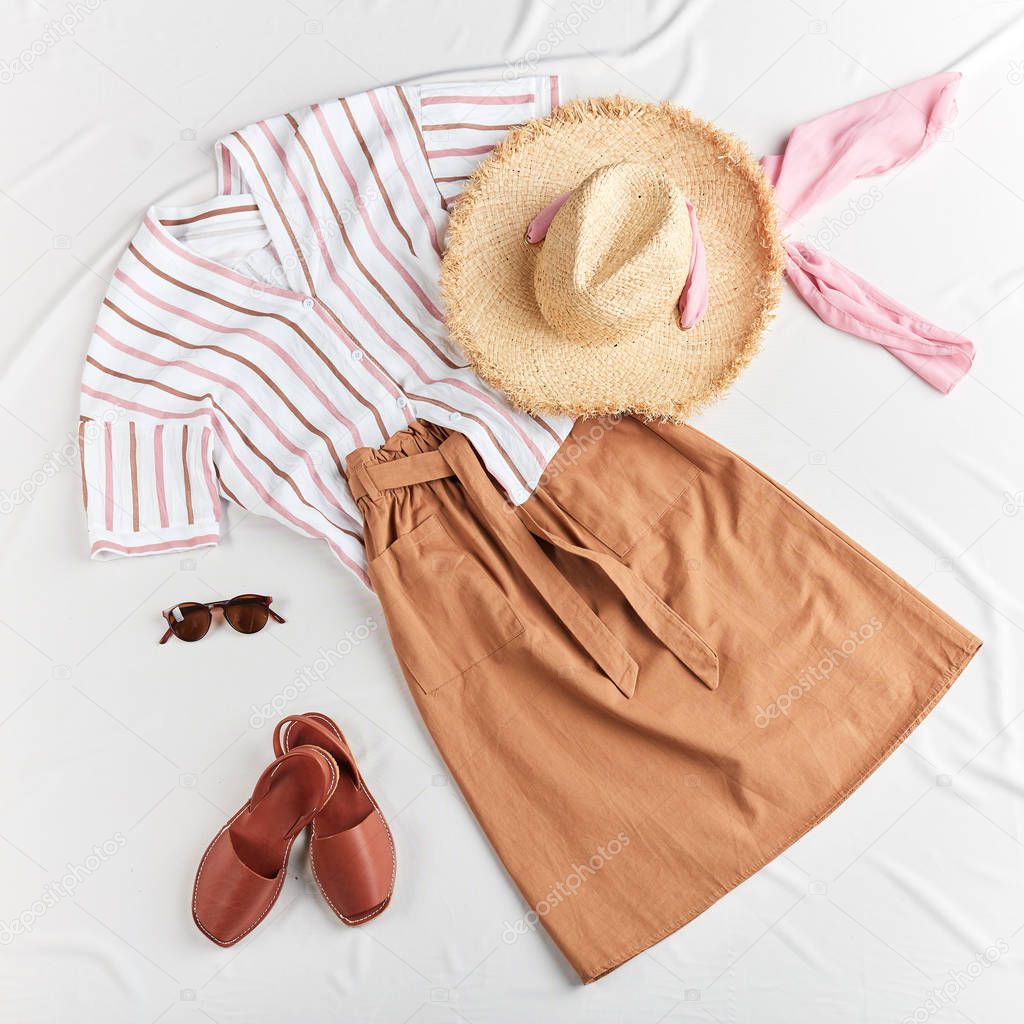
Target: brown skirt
649,680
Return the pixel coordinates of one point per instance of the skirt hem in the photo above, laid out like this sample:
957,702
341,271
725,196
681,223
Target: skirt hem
971,646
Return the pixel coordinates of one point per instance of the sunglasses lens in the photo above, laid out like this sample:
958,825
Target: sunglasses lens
189,622
248,613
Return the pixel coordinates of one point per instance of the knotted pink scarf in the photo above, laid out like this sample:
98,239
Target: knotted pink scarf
821,158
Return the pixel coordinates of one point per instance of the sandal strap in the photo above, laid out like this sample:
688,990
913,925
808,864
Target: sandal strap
323,760
280,731
326,735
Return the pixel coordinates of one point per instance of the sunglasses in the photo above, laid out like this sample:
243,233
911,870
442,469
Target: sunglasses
190,621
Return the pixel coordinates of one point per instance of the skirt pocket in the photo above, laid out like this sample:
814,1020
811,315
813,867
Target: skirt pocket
444,611
617,478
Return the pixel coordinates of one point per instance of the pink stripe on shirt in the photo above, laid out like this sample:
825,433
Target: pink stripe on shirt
399,160
216,268
125,403
371,366
243,469
108,455
225,164
158,462
314,223
208,474
436,154
256,408
155,548
271,502
325,251
257,336
403,352
429,101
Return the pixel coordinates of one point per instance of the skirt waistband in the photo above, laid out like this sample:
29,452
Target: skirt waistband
417,438
368,478
518,534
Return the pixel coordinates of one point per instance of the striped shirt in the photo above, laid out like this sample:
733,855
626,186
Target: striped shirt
248,344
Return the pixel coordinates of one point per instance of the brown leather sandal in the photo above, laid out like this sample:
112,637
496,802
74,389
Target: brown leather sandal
351,848
243,869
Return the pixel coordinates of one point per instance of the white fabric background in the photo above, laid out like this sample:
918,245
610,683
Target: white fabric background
106,737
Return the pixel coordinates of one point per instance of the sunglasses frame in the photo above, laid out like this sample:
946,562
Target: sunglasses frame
212,606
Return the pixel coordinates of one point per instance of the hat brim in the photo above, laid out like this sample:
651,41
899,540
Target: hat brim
665,373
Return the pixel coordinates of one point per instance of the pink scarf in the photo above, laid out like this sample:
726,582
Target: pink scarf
821,158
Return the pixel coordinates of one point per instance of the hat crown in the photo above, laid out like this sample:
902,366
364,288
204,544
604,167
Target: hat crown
615,256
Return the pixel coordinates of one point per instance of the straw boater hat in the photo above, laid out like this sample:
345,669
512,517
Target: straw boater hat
614,257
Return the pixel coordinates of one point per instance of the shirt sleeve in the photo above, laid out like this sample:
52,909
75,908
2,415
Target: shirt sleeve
148,486
463,121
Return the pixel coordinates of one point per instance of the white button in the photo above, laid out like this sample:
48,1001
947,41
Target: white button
357,354
307,303
455,417
401,401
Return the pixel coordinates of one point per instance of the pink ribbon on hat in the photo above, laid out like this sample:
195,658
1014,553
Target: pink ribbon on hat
693,302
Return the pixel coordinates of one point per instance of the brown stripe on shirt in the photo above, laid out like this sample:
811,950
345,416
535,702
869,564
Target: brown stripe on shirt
339,220
248,363
184,469
208,399
419,136
171,222
300,255
133,460
376,174
455,125
323,357
82,420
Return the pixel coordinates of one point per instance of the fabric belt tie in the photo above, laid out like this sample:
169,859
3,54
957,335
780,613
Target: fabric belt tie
518,533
